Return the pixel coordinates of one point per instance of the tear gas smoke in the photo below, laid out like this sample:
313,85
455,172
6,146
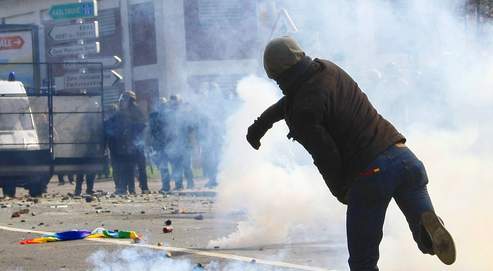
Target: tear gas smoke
426,71
130,259
279,182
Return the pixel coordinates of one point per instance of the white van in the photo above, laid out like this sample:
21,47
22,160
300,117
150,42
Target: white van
17,131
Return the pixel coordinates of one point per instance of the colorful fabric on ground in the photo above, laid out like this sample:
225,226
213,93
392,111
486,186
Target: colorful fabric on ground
59,236
39,240
77,235
102,233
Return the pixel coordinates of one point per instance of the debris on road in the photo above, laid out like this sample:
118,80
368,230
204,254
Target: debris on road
160,244
19,213
167,222
167,229
58,206
199,217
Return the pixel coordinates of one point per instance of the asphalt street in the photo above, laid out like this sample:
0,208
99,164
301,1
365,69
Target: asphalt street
193,219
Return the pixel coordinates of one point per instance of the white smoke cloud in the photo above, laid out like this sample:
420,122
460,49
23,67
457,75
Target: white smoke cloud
282,192
142,259
136,259
424,70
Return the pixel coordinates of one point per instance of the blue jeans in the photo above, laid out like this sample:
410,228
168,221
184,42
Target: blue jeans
398,174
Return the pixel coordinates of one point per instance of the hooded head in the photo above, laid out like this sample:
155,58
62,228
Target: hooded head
281,54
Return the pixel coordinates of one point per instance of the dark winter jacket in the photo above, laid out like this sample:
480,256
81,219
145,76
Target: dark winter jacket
333,119
128,126
157,128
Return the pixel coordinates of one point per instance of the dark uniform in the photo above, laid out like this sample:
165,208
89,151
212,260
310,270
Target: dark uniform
159,139
89,178
111,135
129,124
179,146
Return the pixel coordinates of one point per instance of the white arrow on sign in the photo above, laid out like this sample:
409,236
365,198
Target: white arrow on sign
75,49
108,62
89,80
74,31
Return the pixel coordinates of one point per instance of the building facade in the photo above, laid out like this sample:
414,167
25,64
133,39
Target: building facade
166,46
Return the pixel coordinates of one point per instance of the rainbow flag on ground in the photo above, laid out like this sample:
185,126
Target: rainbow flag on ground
82,234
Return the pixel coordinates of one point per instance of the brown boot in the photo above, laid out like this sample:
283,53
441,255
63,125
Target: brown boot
442,242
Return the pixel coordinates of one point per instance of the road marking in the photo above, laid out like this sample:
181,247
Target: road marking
188,251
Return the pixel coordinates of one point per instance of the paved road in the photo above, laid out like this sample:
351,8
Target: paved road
145,214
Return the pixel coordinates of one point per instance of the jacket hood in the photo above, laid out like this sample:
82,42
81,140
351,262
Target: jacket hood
281,54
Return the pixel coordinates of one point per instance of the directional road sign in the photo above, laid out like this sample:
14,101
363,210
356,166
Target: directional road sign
108,62
89,80
74,31
74,49
73,10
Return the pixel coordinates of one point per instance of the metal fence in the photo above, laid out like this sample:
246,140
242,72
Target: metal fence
61,114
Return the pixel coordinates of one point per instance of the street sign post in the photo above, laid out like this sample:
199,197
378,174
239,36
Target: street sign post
74,49
72,32
108,62
73,11
89,80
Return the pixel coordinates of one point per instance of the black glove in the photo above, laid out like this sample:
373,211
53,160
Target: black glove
255,132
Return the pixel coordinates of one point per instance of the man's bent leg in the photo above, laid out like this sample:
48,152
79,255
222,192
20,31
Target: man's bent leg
413,199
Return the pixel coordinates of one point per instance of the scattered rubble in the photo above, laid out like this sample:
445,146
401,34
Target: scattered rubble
19,213
58,206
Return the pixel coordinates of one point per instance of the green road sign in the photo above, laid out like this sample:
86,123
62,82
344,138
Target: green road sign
73,10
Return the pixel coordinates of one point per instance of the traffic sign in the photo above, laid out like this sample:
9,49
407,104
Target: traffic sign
73,10
88,80
11,42
74,31
108,62
74,50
